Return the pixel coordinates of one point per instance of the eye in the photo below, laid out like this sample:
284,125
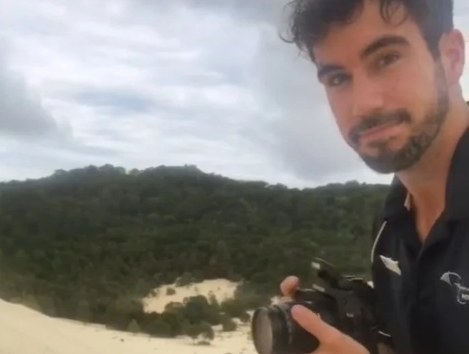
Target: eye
337,79
388,59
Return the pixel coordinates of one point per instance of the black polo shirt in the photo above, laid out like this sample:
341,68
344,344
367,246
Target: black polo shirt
423,289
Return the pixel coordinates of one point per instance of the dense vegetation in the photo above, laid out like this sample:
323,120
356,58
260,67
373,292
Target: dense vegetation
88,243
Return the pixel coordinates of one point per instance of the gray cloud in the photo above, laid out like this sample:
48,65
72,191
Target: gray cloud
118,101
21,111
142,83
302,131
293,128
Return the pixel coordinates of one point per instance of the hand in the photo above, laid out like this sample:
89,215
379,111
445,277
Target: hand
331,340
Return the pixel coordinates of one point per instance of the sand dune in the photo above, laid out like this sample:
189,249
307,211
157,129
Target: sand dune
24,331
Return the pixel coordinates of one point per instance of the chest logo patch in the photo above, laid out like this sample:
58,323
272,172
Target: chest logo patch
455,281
391,264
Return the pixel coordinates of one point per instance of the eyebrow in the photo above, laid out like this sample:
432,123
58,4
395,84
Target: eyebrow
380,43
326,69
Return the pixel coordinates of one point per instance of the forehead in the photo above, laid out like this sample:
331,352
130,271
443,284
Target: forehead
342,41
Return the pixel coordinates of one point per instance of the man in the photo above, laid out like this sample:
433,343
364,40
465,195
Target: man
391,71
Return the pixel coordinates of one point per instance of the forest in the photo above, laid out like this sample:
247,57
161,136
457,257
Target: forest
88,243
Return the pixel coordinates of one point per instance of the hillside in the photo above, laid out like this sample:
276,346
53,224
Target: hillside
81,243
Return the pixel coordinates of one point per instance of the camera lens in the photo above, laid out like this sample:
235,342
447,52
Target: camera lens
262,331
275,332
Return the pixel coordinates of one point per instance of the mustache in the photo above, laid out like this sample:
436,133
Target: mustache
377,119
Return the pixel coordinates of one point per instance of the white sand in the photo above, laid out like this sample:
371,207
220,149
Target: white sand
24,331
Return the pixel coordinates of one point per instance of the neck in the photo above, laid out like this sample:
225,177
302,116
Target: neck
426,181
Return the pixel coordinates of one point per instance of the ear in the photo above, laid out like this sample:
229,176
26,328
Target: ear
452,51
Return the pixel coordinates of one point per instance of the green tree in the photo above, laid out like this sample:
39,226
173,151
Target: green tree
87,243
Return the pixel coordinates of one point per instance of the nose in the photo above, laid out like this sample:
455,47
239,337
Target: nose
367,97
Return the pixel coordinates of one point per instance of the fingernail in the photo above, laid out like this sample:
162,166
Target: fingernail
291,280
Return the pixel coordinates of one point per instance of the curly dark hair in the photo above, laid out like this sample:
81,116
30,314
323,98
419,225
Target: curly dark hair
311,19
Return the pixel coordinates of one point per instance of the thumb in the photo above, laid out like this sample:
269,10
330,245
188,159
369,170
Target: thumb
325,333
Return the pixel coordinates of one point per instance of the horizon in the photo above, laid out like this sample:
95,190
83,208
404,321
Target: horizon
128,171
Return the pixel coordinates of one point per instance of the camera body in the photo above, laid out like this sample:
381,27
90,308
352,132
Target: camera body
345,302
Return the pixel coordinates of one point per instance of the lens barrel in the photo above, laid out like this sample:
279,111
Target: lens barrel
274,331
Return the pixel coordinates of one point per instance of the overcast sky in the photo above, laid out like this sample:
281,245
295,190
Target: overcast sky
137,84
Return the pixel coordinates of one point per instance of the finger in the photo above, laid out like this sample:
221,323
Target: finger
325,333
289,285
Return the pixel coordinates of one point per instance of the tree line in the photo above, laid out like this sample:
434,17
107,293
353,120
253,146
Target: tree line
89,243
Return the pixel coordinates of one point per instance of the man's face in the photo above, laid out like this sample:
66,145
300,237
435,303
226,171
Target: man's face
387,92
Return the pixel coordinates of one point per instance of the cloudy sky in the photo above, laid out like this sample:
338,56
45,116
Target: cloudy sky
137,84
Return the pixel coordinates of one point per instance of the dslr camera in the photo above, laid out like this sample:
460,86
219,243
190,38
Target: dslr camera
345,302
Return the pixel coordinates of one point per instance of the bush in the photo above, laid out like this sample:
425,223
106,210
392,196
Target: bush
175,320
83,311
31,302
192,331
158,328
245,317
184,279
133,327
233,307
122,311
206,331
228,325
198,309
203,342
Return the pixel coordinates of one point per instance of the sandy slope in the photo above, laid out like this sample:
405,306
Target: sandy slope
24,331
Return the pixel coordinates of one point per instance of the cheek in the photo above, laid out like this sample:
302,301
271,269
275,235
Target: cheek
398,85
342,112
412,92
411,83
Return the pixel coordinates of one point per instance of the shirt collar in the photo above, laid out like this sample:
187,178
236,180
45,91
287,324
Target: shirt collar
457,187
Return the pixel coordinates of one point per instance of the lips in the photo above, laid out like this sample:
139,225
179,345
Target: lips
378,125
379,130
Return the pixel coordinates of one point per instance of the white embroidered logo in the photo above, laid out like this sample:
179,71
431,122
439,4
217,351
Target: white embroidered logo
391,264
455,281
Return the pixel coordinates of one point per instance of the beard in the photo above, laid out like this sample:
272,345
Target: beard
391,161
